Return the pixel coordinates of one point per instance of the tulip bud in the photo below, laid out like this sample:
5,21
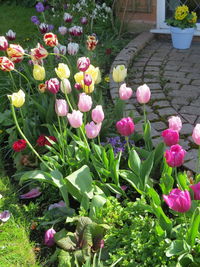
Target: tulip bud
170,137
72,48
75,118
119,73
98,114
91,42
175,123
196,134
76,30
87,79
53,85
15,53
61,107
125,92
17,99
44,28
85,102
42,87
143,94
83,63
78,86
6,64
5,215
50,39
38,53
49,237
3,43
125,126
11,35
67,17
62,71
38,73
65,86
196,190
175,156
92,130
84,20
62,30
178,200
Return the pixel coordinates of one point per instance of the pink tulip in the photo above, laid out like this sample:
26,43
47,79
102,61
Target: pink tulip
98,114
67,17
62,30
178,200
143,94
125,126
75,118
196,190
83,63
3,43
53,85
196,134
49,237
92,129
60,204
84,20
61,107
87,79
170,137
175,156
125,92
78,86
175,123
35,192
5,216
85,102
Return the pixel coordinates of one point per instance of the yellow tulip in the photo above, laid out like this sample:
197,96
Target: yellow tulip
17,99
62,71
98,80
79,77
38,73
119,73
93,72
87,89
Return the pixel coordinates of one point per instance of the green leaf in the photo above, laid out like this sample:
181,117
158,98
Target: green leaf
147,136
37,175
64,259
185,260
97,203
134,162
131,178
82,223
166,183
177,247
194,228
154,196
145,170
182,181
79,183
66,241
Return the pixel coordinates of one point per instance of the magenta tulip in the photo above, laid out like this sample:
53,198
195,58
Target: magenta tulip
196,190
125,92
170,137
61,107
53,85
87,79
196,134
85,102
175,123
98,114
49,237
83,63
75,118
175,156
92,130
125,126
178,200
143,94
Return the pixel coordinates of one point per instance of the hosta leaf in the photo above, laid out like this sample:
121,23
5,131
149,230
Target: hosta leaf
66,241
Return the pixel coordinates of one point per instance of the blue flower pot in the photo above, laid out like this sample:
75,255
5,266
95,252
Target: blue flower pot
181,39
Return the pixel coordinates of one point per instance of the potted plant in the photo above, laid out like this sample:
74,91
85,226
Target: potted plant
182,27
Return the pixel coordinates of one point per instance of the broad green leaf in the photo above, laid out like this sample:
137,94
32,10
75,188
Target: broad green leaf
134,162
66,241
97,203
147,136
131,178
80,183
182,181
82,223
37,175
163,220
194,228
64,259
166,183
145,170
154,196
115,189
177,247
185,260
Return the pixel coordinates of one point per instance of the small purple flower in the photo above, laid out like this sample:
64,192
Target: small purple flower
50,27
49,237
39,7
35,192
5,216
35,20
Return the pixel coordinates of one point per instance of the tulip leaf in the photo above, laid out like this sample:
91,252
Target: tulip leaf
36,175
97,202
194,227
131,178
166,183
154,195
177,247
182,181
146,168
134,162
147,136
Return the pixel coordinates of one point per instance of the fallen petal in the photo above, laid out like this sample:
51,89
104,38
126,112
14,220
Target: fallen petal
57,205
5,216
35,192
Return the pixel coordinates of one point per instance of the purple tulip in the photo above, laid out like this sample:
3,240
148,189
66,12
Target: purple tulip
170,137
175,156
196,190
35,192
5,216
67,17
49,237
39,7
125,126
178,200
62,30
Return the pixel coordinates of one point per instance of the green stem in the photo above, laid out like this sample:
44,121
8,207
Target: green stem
145,116
44,17
25,79
127,142
68,101
13,81
99,141
22,134
84,137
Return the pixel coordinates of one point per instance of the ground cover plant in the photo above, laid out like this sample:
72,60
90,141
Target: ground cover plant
105,195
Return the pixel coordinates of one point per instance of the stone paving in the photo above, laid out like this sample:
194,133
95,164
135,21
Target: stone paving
174,79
